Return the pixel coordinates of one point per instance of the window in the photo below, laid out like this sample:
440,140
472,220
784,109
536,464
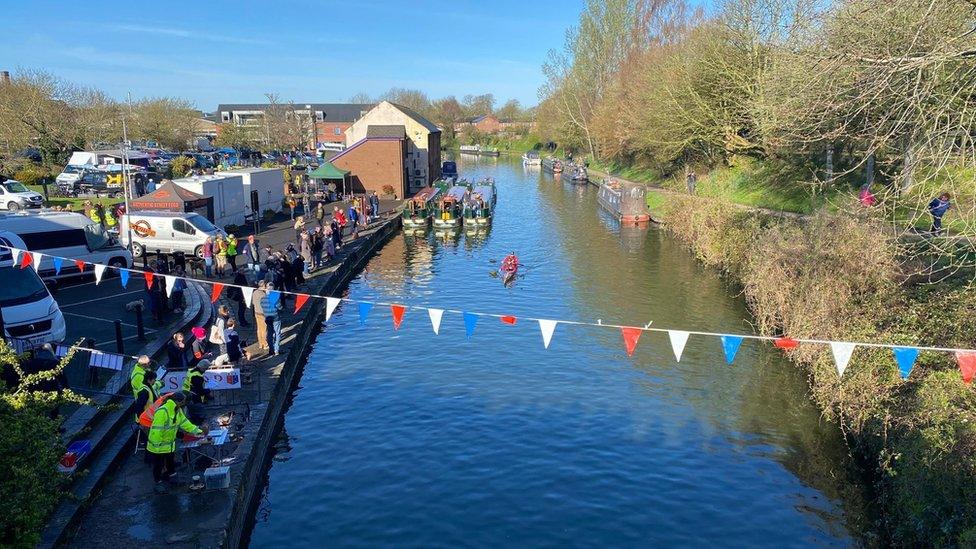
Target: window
201,223
96,236
181,226
16,187
319,116
225,116
49,240
20,286
337,130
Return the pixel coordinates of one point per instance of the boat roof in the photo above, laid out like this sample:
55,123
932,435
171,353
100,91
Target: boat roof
485,191
426,194
457,192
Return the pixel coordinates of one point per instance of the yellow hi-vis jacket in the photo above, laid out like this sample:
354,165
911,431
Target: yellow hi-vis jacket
167,421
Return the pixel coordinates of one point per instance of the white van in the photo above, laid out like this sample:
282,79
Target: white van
14,196
30,315
167,232
67,235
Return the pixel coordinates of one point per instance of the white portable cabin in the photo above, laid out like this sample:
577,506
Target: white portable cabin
227,190
269,184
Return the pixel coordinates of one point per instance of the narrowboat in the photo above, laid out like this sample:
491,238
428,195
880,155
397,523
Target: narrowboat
418,210
449,208
480,205
531,158
624,200
478,150
553,165
580,175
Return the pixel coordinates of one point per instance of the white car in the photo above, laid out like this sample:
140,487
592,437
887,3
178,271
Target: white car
71,175
14,196
30,315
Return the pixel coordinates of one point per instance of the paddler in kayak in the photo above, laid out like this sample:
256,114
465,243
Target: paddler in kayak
510,266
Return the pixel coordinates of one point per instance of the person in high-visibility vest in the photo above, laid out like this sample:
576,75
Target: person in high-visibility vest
146,394
137,375
110,221
194,385
167,420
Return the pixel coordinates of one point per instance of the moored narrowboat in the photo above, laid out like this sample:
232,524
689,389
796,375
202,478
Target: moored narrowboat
418,210
553,165
449,208
480,205
624,200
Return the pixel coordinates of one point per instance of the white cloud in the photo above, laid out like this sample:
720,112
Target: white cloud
184,33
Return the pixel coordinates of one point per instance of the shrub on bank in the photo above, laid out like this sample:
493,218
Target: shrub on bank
838,277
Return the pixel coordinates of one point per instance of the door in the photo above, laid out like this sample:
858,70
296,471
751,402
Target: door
184,236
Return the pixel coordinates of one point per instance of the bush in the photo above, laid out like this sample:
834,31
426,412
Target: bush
31,174
181,166
30,448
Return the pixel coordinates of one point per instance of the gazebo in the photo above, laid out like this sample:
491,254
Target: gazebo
327,171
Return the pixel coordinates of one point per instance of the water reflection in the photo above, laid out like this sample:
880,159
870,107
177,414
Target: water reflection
411,438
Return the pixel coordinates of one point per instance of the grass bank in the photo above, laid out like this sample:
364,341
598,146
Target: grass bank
835,277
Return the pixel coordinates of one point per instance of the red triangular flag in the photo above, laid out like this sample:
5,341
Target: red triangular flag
300,300
631,335
397,311
509,319
81,265
26,259
967,365
149,279
786,343
215,291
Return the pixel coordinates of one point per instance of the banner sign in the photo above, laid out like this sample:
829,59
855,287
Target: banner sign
215,379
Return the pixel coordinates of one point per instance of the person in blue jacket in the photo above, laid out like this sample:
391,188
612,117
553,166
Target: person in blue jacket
938,208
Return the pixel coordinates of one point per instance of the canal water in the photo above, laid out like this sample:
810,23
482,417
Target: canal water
408,438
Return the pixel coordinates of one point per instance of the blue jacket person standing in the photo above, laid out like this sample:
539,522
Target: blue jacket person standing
938,208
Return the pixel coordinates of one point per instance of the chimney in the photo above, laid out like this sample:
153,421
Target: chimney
4,77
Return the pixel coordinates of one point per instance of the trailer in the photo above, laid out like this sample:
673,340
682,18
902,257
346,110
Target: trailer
268,183
227,190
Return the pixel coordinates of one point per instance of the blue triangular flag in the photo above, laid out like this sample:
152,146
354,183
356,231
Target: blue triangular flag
905,356
57,264
364,309
470,320
273,298
124,277
731,346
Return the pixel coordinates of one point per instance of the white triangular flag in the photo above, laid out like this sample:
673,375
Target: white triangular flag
678,340
37,261
547,327
330,306
435,319
842,354
170,281
99,271
15,257
247,291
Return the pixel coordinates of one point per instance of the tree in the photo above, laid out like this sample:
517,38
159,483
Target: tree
169,121
30,446
286,126
447,113
510,111
361,97
55,116
412,99
237,137
477,105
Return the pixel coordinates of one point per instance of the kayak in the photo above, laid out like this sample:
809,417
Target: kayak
509,275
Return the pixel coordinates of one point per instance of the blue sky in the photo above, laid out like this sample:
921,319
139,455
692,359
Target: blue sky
214,51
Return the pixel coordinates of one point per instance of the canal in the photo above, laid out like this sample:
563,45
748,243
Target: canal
408,438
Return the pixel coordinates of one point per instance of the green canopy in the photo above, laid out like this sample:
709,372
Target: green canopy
327,171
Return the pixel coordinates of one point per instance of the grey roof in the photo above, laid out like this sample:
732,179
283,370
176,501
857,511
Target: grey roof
419,118
386,131
333,112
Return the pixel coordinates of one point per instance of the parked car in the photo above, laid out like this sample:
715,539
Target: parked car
14,196
30,315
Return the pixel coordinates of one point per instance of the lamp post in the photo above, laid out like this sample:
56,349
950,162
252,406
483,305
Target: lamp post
125,174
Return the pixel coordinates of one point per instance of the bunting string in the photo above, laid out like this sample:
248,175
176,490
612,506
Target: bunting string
904,355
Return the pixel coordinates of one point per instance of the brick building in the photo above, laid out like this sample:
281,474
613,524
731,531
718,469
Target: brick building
423,152
329,121
377,160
